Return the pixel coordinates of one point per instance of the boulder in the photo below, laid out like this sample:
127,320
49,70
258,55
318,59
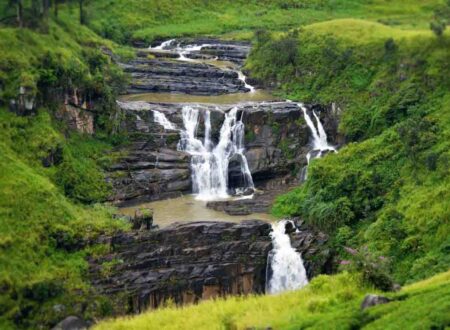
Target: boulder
373,300
71,323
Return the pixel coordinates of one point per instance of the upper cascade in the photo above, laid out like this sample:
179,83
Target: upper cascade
209,161
185,51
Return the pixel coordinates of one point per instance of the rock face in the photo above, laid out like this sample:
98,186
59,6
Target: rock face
193,261
156,71
223,50
276,143
157,75
150,167
373,300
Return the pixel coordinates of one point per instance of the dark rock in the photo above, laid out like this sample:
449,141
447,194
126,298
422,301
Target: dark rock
71,323
188,262
54,157
373,300
143,219
289,228
158,75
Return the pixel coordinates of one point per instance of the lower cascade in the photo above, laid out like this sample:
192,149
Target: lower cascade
210,162
285,269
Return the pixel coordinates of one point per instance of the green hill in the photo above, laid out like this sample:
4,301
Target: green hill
387,191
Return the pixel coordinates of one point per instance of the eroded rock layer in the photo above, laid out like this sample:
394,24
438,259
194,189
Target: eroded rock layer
194,261
276,144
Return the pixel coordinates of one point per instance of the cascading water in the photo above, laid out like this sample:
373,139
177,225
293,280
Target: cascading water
243,78
164,45
285,265
185,50
320,143
209,163
161,119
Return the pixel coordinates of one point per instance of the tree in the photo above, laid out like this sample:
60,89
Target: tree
19,10
441,19
82,12
55,7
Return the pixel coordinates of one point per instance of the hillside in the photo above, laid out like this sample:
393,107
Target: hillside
382,200
392,88
148,20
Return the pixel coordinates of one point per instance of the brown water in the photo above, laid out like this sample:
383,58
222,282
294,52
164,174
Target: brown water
257,96
188,209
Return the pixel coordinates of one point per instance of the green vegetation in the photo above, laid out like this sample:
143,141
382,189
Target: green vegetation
45,236
327,302
388,188
124,21
49,175
385,194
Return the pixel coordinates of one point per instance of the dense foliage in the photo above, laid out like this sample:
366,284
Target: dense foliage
148,20
45,236
392,88
49,174
388,189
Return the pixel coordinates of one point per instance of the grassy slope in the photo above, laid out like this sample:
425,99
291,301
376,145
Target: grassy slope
43,232
34,212
390,188
153,19
328,302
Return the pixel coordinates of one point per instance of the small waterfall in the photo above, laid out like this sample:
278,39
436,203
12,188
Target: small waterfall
185,50
209,163
161,119
320,143
243,78
164,45
285,270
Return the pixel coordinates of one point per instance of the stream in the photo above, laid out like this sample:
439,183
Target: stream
205,119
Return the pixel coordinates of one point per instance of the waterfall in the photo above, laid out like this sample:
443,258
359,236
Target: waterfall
285,270
243,78
161,119
320,143
185,50
164,45
209,163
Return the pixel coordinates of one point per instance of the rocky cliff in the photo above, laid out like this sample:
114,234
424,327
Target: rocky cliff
276,143
190,262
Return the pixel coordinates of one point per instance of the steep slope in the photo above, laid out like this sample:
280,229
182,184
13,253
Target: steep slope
389,187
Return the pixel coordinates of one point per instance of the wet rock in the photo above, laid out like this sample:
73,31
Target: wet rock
71,323
188,262
373,300
157,75
289,228
143,219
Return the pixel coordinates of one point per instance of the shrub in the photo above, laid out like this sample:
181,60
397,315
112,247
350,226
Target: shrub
374,269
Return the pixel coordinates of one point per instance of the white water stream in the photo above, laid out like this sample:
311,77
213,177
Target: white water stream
209,162
320,143
185,50
286,264
161,119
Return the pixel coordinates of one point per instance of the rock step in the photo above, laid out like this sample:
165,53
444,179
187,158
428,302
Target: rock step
188,262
